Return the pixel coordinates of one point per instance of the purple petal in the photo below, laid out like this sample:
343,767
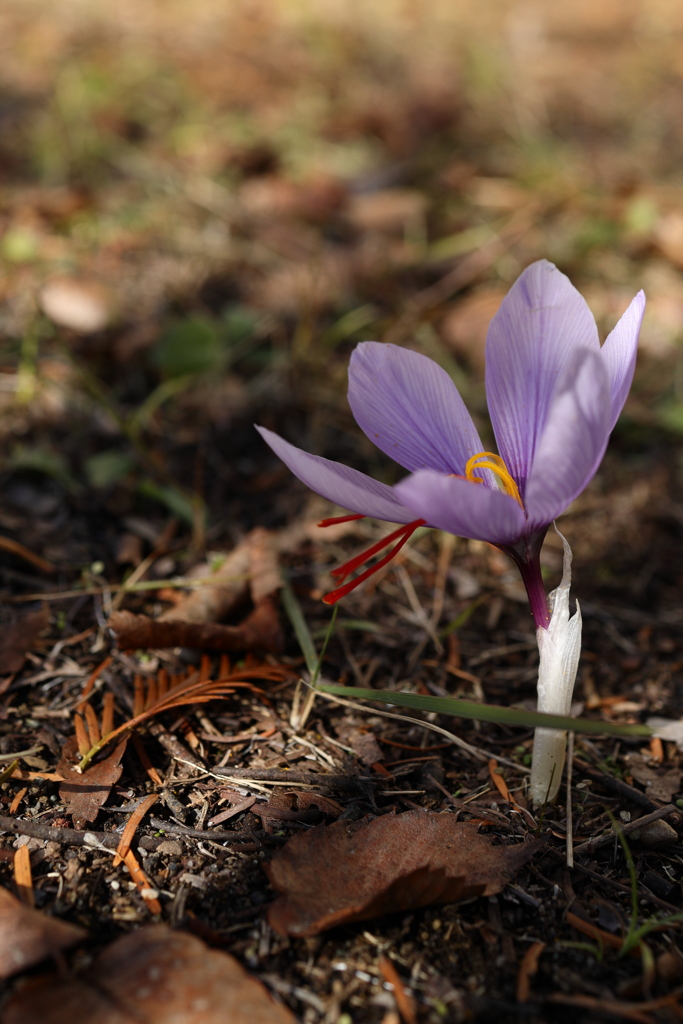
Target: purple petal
463,508
541,322
619,354
410,408
573,442
341,484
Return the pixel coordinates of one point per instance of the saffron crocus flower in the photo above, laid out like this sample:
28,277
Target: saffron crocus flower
554,395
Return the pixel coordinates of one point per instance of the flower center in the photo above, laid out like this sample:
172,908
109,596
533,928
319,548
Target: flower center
489,460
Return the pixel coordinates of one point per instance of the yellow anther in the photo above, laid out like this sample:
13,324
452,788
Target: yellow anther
496,465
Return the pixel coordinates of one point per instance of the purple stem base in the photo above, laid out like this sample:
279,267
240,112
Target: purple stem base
526,556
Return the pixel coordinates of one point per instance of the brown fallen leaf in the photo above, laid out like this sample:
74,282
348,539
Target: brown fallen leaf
259,631
365,746
306,799
251,568
295,805
17,639
28,936
660,784
361,740
352,871
85,792
264,565
223,589
154,975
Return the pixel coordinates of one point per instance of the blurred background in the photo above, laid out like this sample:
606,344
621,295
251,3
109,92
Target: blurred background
204,205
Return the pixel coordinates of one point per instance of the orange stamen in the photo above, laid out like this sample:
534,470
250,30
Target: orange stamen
401,535
497,466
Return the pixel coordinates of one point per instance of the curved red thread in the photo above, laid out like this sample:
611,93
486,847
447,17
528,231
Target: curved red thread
403,534
340,519
342,571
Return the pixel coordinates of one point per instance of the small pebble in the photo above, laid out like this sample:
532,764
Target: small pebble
170,847
83,306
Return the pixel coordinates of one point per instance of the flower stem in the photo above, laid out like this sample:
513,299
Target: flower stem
538,602
527,557
559,648
547,765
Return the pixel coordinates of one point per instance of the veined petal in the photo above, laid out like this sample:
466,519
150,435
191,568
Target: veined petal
341,484
410,408
541,322
573,442
619,353
461,507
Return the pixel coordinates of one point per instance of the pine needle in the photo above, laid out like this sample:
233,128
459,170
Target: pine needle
164,694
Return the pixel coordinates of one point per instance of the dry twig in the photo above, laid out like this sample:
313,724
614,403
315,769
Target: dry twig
632,826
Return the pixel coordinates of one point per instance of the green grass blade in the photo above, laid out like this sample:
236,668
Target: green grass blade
460,620
487,712
330,630
9,770
300,626
361,625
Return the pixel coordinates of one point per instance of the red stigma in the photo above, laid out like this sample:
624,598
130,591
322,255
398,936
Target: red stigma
340,519
401,535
